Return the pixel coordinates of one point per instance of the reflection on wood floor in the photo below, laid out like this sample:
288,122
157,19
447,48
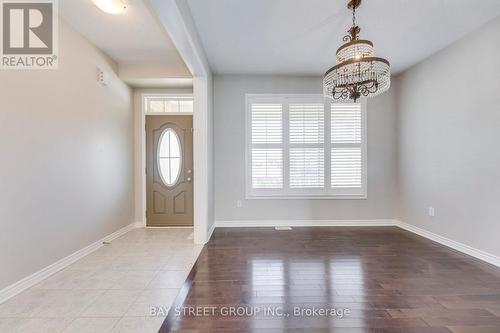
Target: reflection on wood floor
378,279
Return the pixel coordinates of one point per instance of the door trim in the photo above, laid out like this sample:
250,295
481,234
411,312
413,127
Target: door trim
200,156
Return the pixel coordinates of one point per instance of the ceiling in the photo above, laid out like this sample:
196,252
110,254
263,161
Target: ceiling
132,37
300,37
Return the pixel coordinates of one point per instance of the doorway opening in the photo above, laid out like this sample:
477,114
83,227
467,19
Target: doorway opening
167,147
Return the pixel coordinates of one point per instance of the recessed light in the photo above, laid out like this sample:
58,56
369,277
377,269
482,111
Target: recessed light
111,6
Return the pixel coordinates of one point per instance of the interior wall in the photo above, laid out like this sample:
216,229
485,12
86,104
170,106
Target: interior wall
176,17
66,142
211,157
140,148
203,158
229,142
449,124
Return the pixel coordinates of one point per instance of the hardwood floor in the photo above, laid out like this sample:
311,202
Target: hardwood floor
380,279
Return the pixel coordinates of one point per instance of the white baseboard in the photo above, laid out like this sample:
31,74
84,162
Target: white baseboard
304,223
37,277
473,252
211,231
140,224
476,253
44,273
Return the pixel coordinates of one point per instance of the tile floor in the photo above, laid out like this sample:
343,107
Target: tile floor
110,290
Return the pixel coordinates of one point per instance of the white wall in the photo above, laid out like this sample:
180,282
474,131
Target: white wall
229,141
203,158
66,147
449,131
211,158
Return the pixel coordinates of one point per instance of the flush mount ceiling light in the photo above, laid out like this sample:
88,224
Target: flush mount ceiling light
357,72
111,6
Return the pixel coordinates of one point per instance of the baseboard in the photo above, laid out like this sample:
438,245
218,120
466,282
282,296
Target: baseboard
210,231
473,252
481,255
44,273
37,277
304,223
140,224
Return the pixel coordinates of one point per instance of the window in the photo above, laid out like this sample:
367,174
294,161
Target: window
154,104
347,151
267,141
305,146
169,157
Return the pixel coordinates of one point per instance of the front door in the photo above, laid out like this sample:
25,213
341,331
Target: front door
169,170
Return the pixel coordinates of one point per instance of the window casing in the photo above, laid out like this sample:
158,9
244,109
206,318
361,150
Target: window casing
305,146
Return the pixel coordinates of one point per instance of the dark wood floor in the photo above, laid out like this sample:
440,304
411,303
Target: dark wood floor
389,279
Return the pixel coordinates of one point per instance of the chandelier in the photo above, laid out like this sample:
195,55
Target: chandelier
357,72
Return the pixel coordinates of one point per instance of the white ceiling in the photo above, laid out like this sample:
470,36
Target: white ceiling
132,37
300,37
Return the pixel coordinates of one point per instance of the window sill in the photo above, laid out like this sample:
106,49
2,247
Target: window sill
306,197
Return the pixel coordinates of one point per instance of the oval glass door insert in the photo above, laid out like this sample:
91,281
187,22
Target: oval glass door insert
169,157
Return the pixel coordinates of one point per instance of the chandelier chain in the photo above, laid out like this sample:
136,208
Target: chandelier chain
353,16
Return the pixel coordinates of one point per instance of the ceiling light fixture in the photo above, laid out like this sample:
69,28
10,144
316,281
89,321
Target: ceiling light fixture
111,6
357,72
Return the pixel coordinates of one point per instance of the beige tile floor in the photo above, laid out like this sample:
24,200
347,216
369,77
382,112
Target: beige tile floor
110,290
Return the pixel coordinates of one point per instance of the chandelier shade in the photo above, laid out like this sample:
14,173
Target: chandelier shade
357,72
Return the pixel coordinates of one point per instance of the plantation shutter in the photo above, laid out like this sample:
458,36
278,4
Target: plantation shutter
306,140
305,146
266,142
347,148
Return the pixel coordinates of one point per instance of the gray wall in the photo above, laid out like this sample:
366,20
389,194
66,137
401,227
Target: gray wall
449,121
66,171
229,142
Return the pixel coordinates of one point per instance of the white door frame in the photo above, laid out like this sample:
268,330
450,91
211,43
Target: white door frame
200,170
201,160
